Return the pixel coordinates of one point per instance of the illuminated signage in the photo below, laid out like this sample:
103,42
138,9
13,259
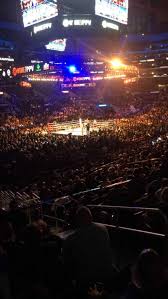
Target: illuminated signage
36,61
25,84
45,78
29,69
22,70
8,72
46,67
57,45
102,105
5,72
65,91
71,85
75,22
38,67
18,71
35,11
8,59
109,25
116,10
42,27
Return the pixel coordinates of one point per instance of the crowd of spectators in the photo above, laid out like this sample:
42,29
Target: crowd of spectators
134,148
26,151
42,104
34,262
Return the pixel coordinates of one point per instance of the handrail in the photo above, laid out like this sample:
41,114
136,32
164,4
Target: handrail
124,208
87,191
144,161
116,184
122,228
102,187
156,210
134,230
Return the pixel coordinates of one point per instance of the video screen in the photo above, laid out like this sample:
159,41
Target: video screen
116,10
57,45
35,11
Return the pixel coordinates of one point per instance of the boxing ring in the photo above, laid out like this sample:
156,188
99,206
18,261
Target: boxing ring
75,128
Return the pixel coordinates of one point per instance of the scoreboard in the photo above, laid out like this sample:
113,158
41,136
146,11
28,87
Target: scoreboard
115,10
56,20
36,11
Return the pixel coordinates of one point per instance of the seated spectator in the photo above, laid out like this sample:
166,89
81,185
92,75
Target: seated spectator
87,251
164,184
164,195
4,277
149,279
17,218
6,229
6,236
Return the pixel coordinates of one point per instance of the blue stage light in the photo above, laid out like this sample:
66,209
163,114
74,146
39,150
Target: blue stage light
72,69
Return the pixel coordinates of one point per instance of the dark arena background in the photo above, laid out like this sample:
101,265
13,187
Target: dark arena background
83,149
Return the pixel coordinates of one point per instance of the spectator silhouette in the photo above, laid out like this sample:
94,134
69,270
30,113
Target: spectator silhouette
149,277
87,251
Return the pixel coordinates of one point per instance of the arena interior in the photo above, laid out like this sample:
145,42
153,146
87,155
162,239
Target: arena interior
83,149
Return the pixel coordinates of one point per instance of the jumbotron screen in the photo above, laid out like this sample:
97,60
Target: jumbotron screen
57,45
35,11
116,10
